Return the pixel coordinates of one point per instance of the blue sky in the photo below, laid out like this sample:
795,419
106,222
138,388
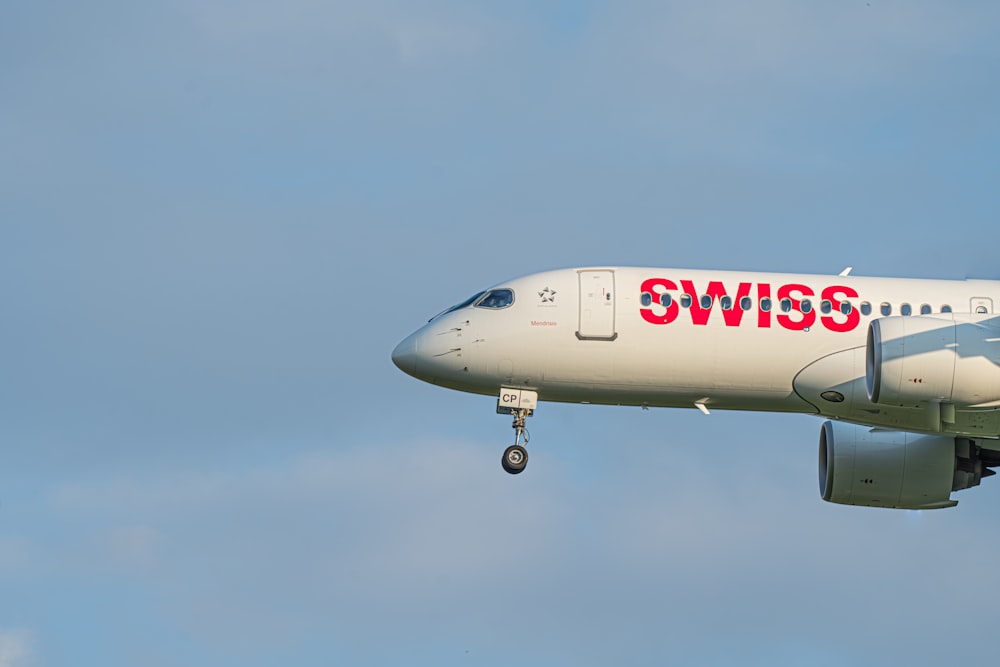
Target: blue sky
218,218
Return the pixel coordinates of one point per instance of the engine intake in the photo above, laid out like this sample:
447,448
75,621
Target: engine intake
953,359
858,466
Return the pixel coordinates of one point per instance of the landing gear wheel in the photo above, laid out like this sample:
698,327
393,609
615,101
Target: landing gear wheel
514,459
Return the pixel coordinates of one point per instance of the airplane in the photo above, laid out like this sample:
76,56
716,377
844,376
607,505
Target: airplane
906,371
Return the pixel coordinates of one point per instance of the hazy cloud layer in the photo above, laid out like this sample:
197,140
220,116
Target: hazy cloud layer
15,648
421,547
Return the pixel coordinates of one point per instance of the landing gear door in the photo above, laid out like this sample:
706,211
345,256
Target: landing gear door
597,306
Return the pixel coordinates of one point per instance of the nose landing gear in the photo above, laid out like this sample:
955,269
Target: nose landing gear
520,403
515,457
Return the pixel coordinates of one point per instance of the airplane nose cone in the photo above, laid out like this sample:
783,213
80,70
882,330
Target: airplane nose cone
405,355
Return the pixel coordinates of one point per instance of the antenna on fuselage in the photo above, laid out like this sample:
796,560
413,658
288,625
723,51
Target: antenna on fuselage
846,271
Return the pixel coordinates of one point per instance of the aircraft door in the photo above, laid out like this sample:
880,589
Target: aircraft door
597,306
981,305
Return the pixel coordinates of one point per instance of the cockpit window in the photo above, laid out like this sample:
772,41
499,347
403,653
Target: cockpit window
468,302
496,298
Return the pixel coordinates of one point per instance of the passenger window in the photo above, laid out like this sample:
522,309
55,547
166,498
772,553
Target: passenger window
726,302
886,309
905,309
786,305
925,309
846,307
498,298
706,301
945,308
666,300
646,299
746,303
765,304
981,310
685,300
806,306
825,306
866,308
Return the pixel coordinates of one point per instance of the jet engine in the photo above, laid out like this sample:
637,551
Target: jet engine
861,466
952,359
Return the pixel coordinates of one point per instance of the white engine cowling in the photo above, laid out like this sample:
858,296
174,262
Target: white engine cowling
858,466
952,359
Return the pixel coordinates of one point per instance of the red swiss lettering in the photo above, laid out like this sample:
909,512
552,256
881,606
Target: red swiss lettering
716,290
669,313
795,318
834,294
763,316
794,293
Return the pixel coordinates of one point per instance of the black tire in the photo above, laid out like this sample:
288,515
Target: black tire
514,459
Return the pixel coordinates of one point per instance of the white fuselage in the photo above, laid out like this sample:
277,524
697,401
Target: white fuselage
681,337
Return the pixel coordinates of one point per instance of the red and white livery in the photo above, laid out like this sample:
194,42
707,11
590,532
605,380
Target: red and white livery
906,371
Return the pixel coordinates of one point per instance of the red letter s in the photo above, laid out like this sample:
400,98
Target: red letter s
808,319
670,312
829,321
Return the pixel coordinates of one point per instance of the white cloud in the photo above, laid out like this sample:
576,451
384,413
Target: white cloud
430,33
16,648
426,40
134,546
781,40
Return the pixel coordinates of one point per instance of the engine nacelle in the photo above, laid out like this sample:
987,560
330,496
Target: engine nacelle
858,466
947,358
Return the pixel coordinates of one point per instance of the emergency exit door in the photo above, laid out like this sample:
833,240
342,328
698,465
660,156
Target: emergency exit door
597,306
980,305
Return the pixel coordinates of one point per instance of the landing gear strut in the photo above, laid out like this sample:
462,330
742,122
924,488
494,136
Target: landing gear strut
515,457
520,403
